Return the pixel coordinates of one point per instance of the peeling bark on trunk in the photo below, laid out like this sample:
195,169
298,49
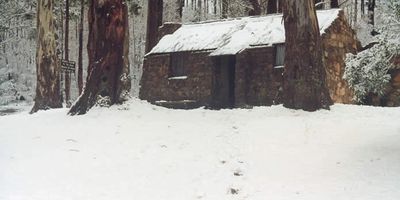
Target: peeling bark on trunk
124,86
47,66
108,80
304,84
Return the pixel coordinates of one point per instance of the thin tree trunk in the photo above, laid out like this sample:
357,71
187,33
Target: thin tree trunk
67,74
371,12
108,81
355,11
154,20
304,84
47,66
62,45
215,7
180,4
224,9
80,50
200,10
363,7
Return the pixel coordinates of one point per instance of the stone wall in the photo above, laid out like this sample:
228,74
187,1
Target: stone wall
156,85
393,91
257,82
393,97
338,40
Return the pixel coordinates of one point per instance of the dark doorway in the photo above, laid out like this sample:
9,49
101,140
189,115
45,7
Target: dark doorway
223,92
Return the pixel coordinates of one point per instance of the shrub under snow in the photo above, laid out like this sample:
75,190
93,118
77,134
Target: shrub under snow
367,72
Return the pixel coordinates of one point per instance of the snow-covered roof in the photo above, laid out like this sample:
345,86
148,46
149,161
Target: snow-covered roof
228,37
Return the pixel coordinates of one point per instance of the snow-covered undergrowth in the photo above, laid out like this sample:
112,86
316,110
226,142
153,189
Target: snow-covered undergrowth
144,152
368,71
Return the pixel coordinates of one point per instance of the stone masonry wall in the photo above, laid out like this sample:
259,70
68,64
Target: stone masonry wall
257,82
156,84
393,93
393,97
338,40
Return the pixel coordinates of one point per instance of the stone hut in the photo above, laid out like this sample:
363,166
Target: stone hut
237,62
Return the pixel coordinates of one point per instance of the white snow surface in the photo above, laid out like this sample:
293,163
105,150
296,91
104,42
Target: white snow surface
144,152
228,37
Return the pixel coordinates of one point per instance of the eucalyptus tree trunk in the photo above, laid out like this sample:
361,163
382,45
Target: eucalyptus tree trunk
66,43
154,20
108,79
80,50
304,84
47,66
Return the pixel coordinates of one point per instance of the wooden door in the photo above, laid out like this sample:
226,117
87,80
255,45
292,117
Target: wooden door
224,82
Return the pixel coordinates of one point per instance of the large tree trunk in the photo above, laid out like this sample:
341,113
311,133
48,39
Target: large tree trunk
80,50
124,86
47,66
67,74
256,8
154,20
304,84
108,80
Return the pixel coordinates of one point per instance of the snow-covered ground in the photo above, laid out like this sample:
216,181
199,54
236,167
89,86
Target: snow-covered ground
144,152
